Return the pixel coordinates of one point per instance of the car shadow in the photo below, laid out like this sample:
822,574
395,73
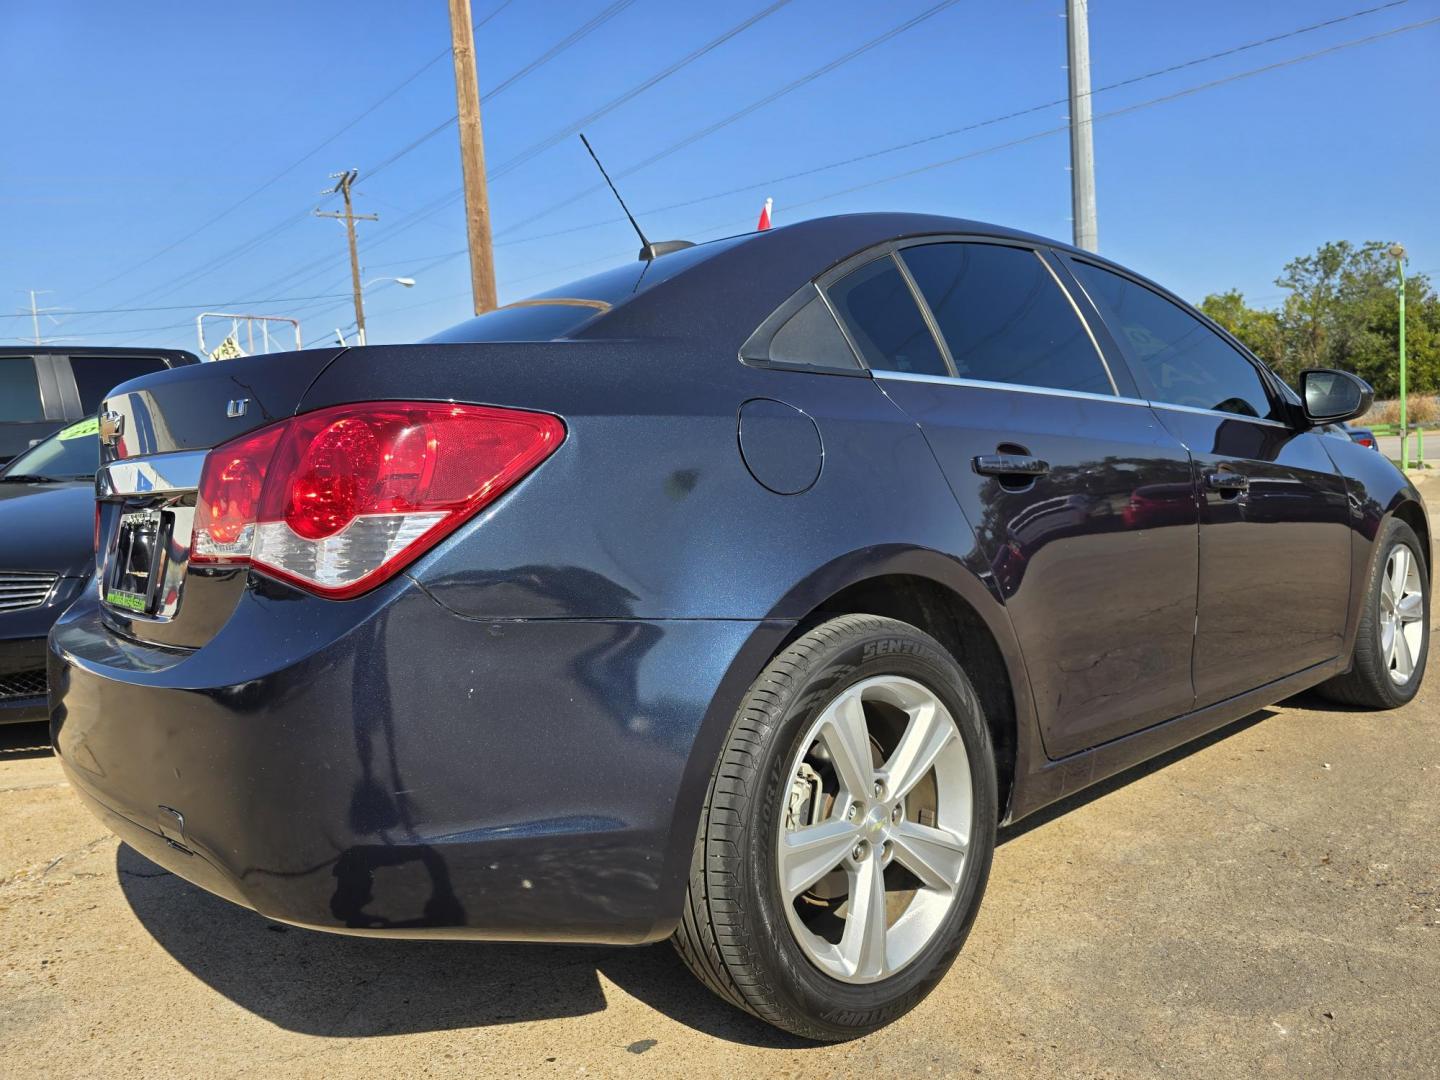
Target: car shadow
25,740
354,987
1128,777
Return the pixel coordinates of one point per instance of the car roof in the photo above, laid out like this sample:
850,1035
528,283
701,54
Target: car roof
172,357
727,287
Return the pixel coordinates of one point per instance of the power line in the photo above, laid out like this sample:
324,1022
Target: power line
974,126
740,114
575,36
1188,91
450,197
540,61
292,166
183,307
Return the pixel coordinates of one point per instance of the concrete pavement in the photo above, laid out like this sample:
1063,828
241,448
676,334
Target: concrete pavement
1264,903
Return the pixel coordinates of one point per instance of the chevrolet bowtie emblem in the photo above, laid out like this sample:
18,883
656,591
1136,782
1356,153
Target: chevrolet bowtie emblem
112,426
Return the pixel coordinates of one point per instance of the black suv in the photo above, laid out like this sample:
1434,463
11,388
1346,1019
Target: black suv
45,387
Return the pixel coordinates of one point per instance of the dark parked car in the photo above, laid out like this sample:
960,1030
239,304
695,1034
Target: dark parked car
665,604
47,554
45,387
1362,435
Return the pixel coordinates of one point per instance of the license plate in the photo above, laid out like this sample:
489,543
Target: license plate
136,563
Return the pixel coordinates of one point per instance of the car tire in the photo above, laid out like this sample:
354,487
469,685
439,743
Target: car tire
921,851
1375,680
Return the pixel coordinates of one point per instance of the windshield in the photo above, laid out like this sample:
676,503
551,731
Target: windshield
72,453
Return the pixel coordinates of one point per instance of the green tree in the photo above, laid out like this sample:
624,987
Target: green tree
1257,328
1342,311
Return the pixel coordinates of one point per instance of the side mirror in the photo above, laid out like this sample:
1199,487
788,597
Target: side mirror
1334,396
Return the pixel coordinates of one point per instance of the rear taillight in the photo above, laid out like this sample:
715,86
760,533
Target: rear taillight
337,501
1366,442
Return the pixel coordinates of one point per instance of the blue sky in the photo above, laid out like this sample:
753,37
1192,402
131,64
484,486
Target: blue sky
132,126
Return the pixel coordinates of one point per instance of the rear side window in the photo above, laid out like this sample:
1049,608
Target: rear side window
19,390
96,376
812,338
879,309
1177,358
1004,317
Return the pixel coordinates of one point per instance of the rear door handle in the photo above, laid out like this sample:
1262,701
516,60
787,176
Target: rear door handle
1227,481
1009,465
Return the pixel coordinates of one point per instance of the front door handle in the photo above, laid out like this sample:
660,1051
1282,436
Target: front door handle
1009,465
1227,481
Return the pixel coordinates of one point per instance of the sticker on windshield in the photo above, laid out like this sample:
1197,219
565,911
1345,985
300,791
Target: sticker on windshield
83,428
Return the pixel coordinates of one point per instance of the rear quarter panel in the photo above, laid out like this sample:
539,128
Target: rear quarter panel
647,510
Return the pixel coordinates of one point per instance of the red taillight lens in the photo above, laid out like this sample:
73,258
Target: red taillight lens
1365,442
340,499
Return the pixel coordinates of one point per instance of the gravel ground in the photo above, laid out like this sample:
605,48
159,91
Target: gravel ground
1263,903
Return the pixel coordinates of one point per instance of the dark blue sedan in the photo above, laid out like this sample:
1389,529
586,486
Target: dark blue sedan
733,596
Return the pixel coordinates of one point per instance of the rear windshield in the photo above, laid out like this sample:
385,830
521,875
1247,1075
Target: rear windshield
525,322
556,313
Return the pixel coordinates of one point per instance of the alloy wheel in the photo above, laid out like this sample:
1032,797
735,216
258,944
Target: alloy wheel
1402,614
875,829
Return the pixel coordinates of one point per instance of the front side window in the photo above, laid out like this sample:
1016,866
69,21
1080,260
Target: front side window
1177,358
96,376
19,390
1005,318
879,309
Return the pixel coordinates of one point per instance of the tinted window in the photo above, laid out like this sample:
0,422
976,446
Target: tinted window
19,391
812,337
96,376
888,329
70,454
1177,358
1004,317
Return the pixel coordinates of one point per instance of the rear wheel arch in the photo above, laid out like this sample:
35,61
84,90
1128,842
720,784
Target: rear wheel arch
950,619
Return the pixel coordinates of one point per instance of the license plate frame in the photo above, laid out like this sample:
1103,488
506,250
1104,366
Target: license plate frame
135,570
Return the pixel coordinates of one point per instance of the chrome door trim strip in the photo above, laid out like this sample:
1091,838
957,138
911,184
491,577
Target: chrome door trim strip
1048,391
1218,412
1022,388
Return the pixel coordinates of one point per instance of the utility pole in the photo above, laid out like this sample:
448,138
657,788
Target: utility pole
472,158
1082,146
1397,252
36,312
343,183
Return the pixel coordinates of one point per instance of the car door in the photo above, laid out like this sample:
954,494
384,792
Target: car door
1081,501
1274,525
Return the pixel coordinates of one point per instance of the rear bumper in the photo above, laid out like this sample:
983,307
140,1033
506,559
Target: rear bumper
408,772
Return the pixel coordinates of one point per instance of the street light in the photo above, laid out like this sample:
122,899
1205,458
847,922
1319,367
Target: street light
403,282
1397,252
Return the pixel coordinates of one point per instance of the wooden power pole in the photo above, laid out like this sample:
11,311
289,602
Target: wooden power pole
472,158
343,182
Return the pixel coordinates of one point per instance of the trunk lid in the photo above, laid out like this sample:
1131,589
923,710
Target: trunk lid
154,434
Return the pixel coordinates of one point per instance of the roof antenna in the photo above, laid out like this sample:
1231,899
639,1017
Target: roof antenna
648,251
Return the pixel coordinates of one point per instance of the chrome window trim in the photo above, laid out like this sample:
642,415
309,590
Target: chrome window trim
1219,412
1022,388
926,315
1025,388
162,474
1080,317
